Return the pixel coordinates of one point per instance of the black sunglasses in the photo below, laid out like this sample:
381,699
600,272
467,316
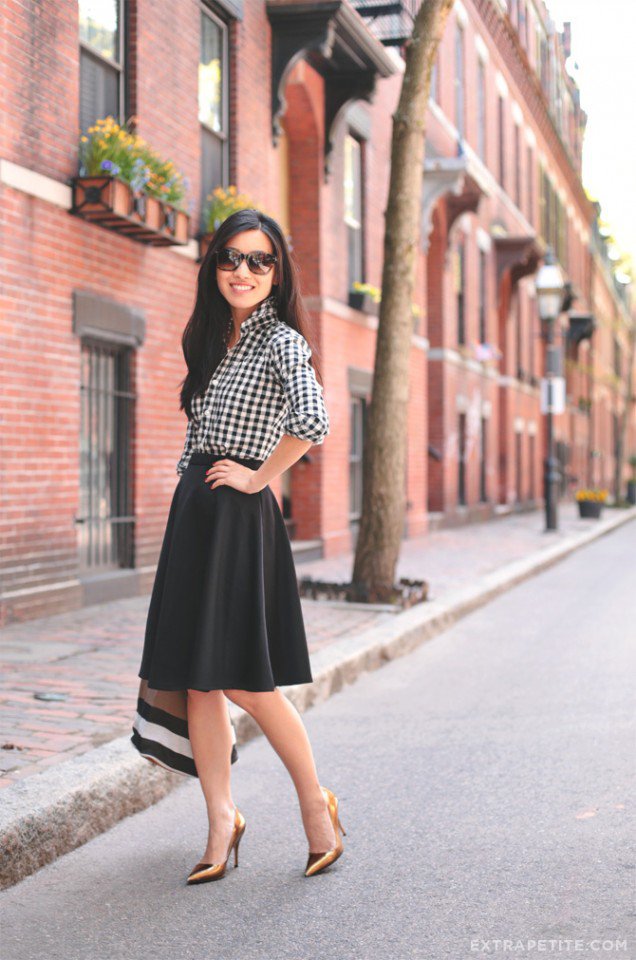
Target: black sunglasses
257,260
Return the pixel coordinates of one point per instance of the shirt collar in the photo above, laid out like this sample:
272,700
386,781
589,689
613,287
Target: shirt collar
266,310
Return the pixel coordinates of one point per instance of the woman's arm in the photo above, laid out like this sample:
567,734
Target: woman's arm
288,450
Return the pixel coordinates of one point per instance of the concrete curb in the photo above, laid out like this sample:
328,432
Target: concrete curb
53,812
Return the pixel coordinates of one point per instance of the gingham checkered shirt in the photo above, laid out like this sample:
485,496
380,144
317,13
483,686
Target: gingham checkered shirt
263,388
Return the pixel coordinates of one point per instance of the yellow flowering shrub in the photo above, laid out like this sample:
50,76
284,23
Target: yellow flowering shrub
111,149
595,494
222,202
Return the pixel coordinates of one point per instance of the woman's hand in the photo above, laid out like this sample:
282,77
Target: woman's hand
233,474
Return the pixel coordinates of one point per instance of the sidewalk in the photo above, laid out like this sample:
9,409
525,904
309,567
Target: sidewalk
89,658
68,769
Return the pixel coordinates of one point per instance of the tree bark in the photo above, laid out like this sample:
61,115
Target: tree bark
385,443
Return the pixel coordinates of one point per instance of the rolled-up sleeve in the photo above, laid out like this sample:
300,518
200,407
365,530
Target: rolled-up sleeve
187,448
306,416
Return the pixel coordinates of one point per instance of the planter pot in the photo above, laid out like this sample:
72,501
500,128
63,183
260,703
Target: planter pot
631,491
590,508
154,213
174,227
110,202
364,302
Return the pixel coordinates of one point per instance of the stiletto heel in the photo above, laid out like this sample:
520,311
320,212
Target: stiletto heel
203,872
318,861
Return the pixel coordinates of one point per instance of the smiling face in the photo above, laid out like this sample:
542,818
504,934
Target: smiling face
243,289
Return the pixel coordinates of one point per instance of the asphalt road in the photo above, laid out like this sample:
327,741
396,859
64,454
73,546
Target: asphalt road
486,784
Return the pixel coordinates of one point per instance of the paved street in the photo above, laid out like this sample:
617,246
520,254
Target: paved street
486,783
90,656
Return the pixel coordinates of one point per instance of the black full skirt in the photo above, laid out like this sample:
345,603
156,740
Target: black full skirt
225,609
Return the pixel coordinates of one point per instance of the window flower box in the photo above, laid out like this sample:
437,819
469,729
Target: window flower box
125,186
362,300
111,202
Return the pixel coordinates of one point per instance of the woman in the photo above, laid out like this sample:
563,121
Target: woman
225,619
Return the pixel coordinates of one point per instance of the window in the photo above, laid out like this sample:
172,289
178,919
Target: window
358,411
353,207
101,30
501,121
517,160
543,203
618,359
531,466
530,183
518,466
544,62
518,337
483,297
531,349
481,109
105,520
483,460
434,89
561,240
460,291
459,81
553,222
213,105
461,460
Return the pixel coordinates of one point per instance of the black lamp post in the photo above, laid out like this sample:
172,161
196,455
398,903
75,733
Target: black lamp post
550,288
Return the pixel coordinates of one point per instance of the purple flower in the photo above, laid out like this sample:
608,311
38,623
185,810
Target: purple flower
106,164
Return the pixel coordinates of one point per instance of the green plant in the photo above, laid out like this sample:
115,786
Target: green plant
632,462
222,202
594,494
376,295
113,150
374,292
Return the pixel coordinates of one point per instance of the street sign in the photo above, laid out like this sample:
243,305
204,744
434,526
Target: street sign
553,395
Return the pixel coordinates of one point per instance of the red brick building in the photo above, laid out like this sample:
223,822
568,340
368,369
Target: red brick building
291,102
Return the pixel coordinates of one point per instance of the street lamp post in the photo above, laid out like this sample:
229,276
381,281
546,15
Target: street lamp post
550,288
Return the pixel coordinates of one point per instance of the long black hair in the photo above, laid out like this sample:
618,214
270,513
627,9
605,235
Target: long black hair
204,339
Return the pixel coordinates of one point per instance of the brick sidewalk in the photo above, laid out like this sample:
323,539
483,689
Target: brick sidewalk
90,657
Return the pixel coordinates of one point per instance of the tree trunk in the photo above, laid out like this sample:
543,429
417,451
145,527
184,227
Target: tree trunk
384,452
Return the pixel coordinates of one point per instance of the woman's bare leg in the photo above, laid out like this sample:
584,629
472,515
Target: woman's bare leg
210,734
281,723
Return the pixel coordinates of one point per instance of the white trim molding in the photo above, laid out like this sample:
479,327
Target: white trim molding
484,240
35,184
502,86
461,14
482,50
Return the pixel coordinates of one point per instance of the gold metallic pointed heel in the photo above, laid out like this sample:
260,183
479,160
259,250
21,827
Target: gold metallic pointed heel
319,861
204,872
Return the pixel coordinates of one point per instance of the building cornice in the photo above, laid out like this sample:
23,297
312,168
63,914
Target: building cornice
516,60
